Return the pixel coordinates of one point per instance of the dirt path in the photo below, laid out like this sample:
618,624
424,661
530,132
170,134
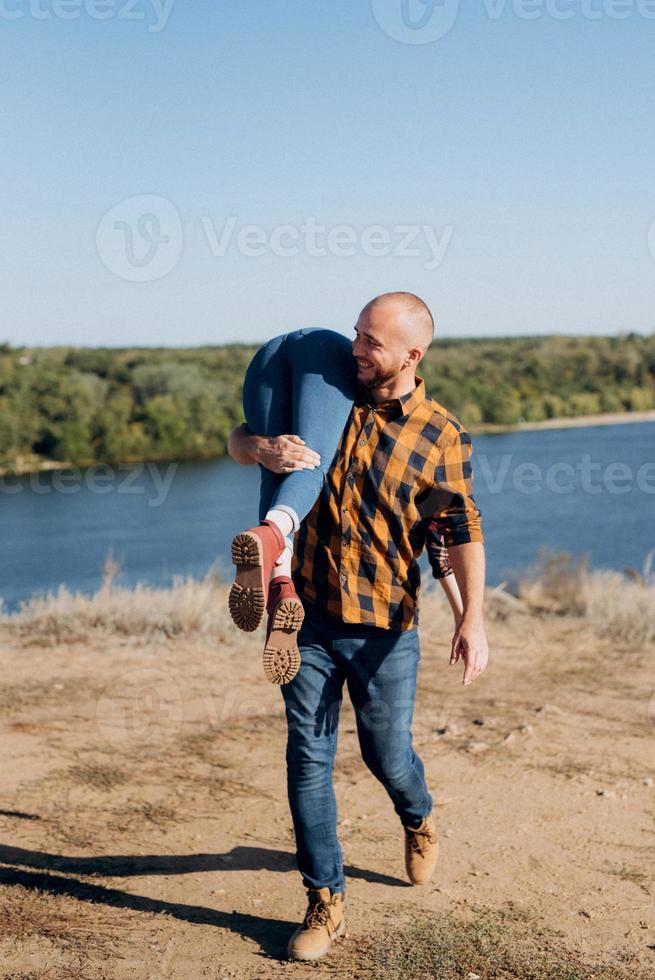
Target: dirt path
144,829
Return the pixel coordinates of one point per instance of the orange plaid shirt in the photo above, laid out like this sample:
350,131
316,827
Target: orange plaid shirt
401,479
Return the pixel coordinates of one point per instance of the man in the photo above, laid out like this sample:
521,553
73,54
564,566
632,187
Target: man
403,467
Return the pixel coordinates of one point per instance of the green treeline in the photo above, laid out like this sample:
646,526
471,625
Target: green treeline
90,404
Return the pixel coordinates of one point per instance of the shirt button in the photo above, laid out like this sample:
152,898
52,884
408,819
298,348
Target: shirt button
362,442
344,578
345,510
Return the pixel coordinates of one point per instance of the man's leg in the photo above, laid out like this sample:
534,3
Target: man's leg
312,703
381,677
381,674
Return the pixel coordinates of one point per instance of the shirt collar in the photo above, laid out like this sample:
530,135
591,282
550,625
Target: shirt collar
396,408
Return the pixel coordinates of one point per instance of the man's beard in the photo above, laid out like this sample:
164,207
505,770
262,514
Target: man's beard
381,380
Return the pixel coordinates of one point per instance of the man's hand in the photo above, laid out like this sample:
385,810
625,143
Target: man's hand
470,643
284,454
280,454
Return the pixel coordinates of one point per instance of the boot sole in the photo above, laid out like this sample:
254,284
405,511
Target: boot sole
339,933
281,654
247,599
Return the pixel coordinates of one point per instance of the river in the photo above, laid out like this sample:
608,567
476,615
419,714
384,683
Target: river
588,491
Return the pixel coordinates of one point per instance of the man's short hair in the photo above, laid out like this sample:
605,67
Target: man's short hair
415,307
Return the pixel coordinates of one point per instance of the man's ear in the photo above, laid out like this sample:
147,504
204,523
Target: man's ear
414,355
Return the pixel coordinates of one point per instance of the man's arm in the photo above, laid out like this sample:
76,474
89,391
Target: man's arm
281,454
458,520
442,570
470,639
468,565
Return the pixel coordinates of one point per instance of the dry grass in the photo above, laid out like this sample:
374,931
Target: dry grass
29,912
190,606
505,944
620,606
635,875
98,776
32,694
557,584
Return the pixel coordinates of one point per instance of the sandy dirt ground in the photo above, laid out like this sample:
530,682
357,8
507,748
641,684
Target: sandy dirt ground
144,829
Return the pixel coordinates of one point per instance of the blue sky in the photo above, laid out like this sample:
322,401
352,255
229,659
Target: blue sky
512,158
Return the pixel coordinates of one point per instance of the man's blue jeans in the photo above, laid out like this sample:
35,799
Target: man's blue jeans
379,668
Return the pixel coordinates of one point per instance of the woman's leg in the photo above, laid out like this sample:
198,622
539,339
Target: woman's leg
323,381
323,384
302,382
267,406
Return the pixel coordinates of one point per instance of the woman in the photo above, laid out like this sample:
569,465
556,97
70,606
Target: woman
302,383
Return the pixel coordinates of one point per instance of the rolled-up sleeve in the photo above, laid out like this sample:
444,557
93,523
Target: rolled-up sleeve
437,552
456,518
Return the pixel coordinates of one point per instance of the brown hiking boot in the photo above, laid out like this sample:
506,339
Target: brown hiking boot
254,553
323,923
421,851
285,616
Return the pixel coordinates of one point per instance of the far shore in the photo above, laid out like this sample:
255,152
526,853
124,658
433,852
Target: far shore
569,422
33,464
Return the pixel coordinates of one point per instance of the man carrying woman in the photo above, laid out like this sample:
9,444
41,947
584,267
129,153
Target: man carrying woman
367,470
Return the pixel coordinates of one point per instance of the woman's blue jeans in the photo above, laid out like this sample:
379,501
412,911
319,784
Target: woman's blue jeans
379,668
302,383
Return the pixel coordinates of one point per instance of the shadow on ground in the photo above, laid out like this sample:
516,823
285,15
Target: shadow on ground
48,870
123,866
